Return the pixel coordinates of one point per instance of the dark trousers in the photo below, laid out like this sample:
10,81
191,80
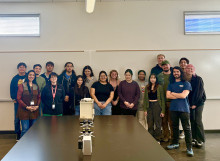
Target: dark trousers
167,123
196,124
68,109
154,120
184,117
128,112
16,120
116,110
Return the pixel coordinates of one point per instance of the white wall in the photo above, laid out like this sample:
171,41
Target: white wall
131,25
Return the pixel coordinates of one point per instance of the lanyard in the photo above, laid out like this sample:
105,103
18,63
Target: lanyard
54,93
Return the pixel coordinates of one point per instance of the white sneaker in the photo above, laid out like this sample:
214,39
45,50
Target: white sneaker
182,135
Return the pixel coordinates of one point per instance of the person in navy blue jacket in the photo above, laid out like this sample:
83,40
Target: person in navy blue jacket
68,80
17,80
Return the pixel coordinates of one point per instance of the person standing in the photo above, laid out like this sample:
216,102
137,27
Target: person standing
142,84
79,92
114,81
15,82
197,97
154,106
102,92
129,94
49,68
178,91
68,80
163,79
40,82
158,68
52,97
29,100
88,76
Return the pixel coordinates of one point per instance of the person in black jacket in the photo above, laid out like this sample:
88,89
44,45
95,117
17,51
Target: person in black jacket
17,80
79,92
52,97
197,97
68,80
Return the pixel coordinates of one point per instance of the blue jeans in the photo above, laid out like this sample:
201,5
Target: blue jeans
77,110
16,120
106,111
26,124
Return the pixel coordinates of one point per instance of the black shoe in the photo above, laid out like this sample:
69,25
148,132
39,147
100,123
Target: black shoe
199,144
194,142
18,137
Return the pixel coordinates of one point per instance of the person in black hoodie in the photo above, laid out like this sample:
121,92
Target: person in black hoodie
79,92
17,80
68,80
52,97
197,97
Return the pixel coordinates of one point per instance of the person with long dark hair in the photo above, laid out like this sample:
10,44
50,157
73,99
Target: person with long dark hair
114,81
178,91
79,92
29,100
129,94
88,76
52,97
68,80
197,97
102,92
154,106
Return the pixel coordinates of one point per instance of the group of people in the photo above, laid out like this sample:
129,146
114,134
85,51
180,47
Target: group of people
170,95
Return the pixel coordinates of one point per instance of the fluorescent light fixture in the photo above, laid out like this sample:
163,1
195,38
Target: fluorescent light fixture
90,5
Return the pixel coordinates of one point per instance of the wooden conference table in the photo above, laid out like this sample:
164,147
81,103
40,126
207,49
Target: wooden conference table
117,138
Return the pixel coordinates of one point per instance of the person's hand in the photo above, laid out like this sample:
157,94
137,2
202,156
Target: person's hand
127,104
66,99
35,107
99,104
104,105
30,108
193,107
131,105
145,113
161,115
14,101
114,103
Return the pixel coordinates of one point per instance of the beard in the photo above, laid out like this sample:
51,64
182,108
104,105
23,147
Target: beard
166,70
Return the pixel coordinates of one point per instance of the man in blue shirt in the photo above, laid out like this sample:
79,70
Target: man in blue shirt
178,91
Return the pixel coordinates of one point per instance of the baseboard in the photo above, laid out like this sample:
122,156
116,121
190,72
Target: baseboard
7,132
212,131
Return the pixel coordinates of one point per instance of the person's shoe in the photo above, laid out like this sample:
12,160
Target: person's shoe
173,146
182,135
18,137
194,142
165,139
190,152
199,144
158,142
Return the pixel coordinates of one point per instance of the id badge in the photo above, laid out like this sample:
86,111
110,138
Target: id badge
53,105
32,103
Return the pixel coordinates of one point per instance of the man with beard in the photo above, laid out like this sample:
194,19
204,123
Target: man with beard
178,91
68,80
163,79
49,68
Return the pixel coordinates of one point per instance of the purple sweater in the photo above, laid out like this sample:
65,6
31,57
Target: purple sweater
129,92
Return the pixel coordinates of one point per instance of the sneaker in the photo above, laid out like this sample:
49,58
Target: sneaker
18,137
173,146
190,152
199,144
194,142
182,135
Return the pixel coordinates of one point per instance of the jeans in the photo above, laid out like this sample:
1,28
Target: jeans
16,120
77,110
184,117
154,120
106,111
26,124
196,124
